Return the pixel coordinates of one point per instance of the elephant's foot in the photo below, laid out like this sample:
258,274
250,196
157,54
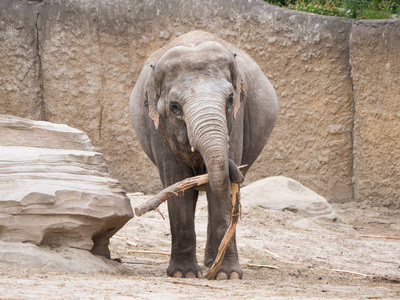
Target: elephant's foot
224,276
190,274
181,268
229,269
229,272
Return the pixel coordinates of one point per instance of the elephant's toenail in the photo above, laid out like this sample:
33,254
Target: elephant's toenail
190,275
178,274
199,275
222,276
234,275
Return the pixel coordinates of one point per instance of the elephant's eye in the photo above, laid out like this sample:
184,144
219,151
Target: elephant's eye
229,101
176,108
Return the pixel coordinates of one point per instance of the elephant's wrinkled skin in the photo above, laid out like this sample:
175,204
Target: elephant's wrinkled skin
199,102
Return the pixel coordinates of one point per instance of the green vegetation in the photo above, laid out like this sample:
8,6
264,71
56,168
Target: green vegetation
357,9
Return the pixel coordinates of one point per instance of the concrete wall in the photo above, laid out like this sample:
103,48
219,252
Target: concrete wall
20,86
82,59
375,62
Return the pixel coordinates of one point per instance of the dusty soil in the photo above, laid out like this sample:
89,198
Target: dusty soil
312,259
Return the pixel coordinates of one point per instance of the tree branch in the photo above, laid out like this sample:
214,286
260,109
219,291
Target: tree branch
172,190
229,232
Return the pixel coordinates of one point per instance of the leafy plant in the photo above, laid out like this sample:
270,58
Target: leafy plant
282,3
358,9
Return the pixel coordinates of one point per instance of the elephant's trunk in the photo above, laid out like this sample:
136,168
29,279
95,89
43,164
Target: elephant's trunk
208,134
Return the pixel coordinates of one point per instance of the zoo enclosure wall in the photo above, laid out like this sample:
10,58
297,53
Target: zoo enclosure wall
76,62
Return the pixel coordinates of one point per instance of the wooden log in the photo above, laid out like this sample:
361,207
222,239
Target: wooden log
172,190
229,232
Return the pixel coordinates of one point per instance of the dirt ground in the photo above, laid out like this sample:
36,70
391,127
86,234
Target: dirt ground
310,259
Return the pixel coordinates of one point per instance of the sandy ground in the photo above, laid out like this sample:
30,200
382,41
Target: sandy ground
311,259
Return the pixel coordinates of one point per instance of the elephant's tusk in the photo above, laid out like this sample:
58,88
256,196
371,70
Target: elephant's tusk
193,149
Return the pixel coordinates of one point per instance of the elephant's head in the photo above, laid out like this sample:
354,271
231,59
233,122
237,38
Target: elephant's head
193,96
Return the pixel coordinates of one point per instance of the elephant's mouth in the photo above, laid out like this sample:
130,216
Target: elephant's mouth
194,160
182,150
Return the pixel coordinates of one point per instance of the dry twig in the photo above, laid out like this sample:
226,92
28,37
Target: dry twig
198,285
381,237
261,266
148,252
272,253
348,272
133,244
157,210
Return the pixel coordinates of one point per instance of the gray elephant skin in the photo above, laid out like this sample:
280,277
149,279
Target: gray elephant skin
201,105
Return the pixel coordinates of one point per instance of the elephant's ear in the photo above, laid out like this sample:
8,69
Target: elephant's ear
238,85
151,98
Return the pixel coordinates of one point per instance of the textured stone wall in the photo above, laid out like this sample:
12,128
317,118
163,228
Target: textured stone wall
305,57
90,54
375,61
20,84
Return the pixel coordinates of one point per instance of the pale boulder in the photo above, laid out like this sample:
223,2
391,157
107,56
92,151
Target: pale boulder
283,193
62,259
55,191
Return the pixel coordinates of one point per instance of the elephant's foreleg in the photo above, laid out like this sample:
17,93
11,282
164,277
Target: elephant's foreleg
218,221
181,210
183,261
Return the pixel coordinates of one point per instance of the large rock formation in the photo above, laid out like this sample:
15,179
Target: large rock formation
55,191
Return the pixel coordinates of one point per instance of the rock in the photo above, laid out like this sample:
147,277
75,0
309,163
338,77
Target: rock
282,193
55,190
65,259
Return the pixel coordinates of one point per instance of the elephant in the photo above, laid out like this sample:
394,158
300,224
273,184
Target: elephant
201,105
